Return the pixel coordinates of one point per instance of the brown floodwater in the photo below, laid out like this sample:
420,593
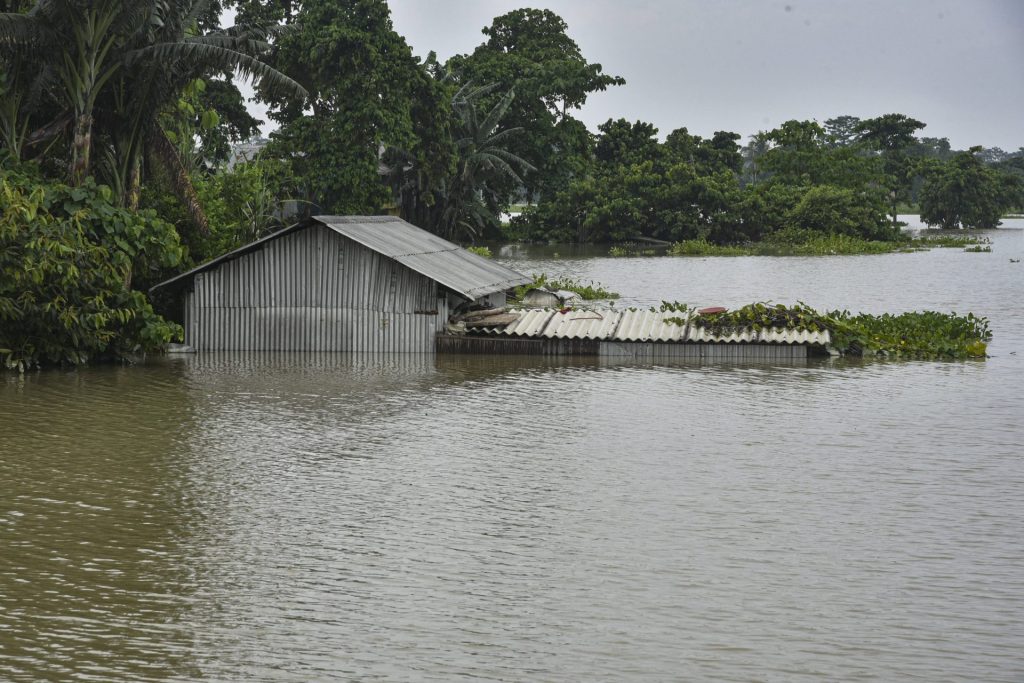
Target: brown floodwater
302,517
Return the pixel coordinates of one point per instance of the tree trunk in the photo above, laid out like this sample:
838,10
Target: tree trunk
80,147
134,184
167,155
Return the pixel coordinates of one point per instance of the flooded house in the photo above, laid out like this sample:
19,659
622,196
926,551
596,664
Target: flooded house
335,283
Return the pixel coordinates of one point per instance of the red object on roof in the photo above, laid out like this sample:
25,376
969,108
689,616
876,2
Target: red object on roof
712,309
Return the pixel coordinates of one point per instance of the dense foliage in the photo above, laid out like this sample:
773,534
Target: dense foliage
68,260
840,179
964,192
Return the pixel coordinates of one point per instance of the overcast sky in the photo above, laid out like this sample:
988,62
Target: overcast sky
746,65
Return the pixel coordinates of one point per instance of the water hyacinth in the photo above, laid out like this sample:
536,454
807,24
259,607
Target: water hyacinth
926,334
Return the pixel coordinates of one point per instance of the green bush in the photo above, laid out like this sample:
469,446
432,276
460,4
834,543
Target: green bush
67,260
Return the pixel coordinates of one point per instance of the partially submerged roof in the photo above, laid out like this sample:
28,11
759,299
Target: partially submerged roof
461,271
632,325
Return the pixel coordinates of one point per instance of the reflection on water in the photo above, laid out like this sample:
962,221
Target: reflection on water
299,517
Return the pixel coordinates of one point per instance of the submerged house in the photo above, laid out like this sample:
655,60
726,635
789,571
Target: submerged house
335,283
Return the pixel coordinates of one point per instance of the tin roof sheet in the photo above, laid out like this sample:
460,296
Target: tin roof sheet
458,269
447,263
631,325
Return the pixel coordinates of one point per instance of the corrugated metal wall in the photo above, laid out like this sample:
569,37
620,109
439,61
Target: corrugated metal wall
313,290
706,352
615,349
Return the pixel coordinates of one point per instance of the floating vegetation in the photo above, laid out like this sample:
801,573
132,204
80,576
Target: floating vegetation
951,241
979,249
823,245
926,334
481,251
702,247
588,291
631,249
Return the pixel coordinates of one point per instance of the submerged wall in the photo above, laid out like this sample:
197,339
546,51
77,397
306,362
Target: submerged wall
313,290
613,349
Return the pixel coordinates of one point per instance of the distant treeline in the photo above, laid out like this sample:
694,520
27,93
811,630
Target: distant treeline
847,176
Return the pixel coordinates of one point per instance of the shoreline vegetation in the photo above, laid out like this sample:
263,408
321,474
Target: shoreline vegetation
816,245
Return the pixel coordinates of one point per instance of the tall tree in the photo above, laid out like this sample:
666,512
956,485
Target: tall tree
467,201
623,143
530,51
891,135
964,193
364,85
753,154
842,131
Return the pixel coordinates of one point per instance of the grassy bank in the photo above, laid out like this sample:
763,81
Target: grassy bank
824,245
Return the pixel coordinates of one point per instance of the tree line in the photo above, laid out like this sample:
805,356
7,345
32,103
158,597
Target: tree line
119,121
847,176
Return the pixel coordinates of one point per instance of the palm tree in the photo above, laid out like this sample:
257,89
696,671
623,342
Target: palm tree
111,66
753,152
467,201
477,193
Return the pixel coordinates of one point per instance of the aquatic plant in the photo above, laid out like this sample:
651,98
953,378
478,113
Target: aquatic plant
701,247
481,251
631,249
926,334
592,291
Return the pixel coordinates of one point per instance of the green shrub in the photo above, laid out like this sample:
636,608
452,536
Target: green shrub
67,260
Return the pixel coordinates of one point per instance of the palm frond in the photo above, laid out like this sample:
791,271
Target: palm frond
166,154
497,163
206,56
195,12
245,44
20,32
512,159
495,115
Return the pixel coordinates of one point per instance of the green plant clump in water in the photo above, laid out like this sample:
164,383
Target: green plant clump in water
951,241
979,249
631,249
593,291
926,334
701,247
481,251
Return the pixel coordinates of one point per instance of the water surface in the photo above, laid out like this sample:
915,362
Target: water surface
301,517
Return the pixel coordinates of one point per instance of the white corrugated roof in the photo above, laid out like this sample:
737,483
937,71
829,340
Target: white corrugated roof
633,325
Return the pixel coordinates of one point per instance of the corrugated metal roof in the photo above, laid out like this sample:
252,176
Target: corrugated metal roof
631,325
456,268
447,263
